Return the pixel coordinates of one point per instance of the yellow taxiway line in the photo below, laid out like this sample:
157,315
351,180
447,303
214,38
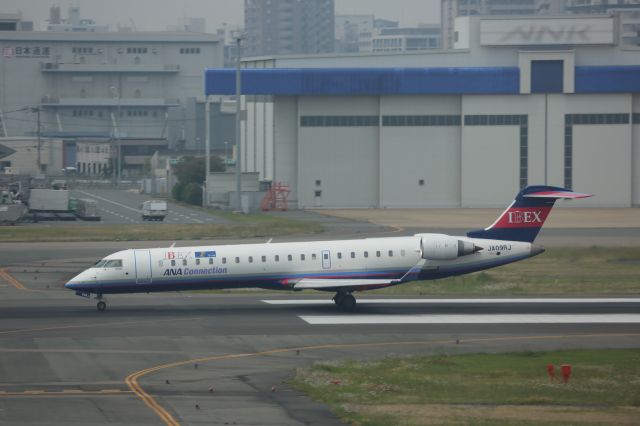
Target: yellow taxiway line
8,278
134,385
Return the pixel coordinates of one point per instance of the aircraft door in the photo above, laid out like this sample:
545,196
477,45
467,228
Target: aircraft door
143,266
326,259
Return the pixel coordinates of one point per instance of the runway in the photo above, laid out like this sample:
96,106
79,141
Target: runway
205,358
193,358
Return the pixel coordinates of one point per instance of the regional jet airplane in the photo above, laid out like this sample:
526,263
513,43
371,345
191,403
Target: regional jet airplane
341,267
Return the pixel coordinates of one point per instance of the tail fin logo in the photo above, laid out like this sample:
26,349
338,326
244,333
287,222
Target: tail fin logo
519,217
523,217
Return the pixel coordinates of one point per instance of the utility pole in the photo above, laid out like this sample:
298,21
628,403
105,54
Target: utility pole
207,148
117,123
37,111
239,36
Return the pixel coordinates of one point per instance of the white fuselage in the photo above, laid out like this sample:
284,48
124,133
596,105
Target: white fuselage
282,265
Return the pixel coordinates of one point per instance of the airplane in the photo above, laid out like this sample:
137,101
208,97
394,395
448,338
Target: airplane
341,267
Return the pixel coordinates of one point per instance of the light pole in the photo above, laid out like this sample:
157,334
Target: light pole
238,36
37,110
114,90
226,153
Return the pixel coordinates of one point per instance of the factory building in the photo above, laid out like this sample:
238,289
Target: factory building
520,101
97,91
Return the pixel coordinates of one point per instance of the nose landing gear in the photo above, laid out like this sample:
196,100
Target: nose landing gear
102,303
345,301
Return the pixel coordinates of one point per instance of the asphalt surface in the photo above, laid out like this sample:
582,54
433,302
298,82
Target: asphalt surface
190,358
123,207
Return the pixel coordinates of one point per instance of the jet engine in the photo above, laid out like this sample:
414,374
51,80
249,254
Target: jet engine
445,247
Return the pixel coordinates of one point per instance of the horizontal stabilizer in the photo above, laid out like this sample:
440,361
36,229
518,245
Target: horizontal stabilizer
324,284
566,195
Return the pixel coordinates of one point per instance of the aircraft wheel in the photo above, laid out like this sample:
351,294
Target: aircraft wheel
338,299
101,306
348,302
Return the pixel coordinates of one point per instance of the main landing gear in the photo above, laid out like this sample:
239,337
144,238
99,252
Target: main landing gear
345,301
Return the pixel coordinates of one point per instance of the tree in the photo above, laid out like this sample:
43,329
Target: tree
191,172
193,169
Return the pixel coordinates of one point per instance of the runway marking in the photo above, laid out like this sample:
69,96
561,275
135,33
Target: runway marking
102,324
64,392
454,301
473,319
132,379
14,282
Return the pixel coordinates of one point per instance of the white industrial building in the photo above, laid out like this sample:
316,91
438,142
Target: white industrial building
519,101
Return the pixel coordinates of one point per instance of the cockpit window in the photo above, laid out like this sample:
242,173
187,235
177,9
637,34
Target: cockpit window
113,263
100,263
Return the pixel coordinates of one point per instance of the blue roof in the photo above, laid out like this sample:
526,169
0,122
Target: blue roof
407,81
364,81
608,79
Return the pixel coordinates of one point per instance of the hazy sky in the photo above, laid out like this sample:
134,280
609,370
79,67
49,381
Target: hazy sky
158,14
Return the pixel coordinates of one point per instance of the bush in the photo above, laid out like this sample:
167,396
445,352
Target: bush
178,191
192,194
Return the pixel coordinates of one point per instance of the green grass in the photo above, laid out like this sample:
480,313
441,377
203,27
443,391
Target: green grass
593,270
241,226
369,393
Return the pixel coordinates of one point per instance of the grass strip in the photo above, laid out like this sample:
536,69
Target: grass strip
509,388
561,271
245,226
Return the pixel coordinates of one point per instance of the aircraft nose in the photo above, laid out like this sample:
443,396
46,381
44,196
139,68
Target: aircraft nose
536,250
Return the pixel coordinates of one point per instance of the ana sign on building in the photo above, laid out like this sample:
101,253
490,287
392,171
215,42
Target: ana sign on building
548,31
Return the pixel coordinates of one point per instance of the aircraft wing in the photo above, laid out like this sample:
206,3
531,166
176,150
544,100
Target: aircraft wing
327,283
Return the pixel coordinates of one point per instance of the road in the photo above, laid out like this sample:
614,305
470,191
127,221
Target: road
224,358
123,207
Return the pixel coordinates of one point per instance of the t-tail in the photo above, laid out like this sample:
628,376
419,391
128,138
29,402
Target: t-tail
522,220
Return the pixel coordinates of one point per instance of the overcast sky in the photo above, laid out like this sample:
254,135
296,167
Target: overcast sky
153,15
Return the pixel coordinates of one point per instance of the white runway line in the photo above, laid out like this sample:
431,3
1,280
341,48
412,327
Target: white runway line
457,301
473,319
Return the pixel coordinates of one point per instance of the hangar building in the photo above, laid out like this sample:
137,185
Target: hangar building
518,101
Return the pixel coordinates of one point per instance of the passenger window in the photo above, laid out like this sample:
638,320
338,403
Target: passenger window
402,252
366,254
173,263
237,260
378,253
250,259
339,255
326,256
353,254
197,261
224,260
390,253
277,258
290,258
160,263
264,259
184,262
313,256
211,261
302,257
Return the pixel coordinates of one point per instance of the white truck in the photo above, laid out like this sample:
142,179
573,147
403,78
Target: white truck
154,210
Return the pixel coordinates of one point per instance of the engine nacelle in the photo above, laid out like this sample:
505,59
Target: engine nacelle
445,247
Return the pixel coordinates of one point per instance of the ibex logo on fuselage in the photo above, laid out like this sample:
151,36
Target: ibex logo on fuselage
525,217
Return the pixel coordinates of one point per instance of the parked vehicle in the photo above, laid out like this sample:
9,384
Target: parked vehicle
154,210
87,209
